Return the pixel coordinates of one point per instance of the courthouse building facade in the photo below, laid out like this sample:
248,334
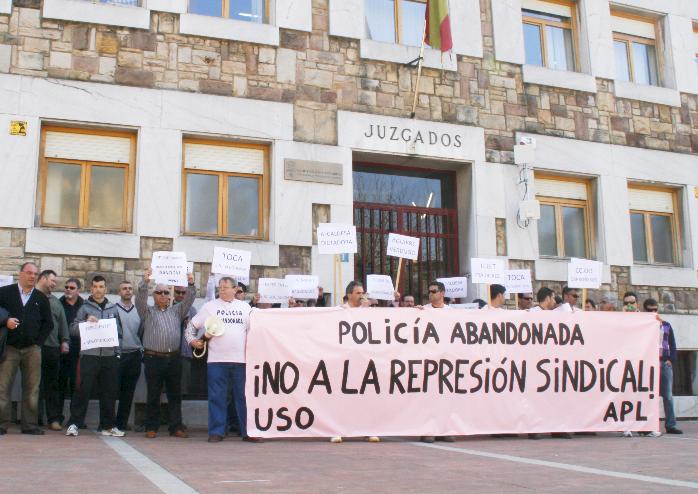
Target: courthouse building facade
132,126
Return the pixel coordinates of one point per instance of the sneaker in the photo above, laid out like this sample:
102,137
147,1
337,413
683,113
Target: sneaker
72,430
113,432
654,434
336,439
373,439
55,426
627,434
673,430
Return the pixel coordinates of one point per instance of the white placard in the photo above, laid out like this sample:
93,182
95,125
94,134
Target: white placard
380,287
190,267
336,238
518,281
100,334
303,286
487,271
6,279
169,268
273,291
469,306
456,287
583,273
403,246
232,262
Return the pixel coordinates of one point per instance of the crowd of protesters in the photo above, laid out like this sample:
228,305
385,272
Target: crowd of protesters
43,341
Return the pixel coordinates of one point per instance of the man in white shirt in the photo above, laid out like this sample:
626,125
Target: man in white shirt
226,358
569,300
436,293
546,300
497,292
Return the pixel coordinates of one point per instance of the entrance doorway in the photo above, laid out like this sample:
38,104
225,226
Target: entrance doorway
409,201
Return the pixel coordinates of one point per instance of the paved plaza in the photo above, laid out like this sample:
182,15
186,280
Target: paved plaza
92,463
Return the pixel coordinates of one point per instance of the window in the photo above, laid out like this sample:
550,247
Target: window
226,189
635,49
239,10
549,34
653,225
396,21
86,179
563,227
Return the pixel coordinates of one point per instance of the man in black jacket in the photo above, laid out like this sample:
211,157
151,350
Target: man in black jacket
29,323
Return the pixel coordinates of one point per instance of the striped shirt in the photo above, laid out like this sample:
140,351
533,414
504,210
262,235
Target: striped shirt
162,328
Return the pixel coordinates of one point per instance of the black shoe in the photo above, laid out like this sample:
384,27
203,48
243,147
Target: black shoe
34,431
215,439
534,436
673,430
3,431
249,439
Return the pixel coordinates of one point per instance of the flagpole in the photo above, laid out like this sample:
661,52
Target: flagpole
419,70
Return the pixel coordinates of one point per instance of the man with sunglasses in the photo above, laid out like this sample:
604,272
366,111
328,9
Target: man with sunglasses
162,338
524,301
569,300
71,302
667,357
630,302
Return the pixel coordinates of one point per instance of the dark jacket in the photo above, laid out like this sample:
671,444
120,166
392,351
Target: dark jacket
35,319
71,310
108,311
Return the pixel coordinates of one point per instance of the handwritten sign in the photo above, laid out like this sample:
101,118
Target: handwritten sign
487,271
583,273
518,281
336,238
273,291
100,334
456,287
303,286
380,287
5,280
233,263
403,246
169,268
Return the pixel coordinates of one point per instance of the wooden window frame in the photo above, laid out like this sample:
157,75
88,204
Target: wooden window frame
571,25
629,39
225,10
558,203
675,232
396,19
263,200
85,179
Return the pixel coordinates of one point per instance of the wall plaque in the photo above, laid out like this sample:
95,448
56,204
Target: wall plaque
313,171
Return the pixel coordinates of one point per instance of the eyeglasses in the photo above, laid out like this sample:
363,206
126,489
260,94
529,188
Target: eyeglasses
651,309
181,292
71,287
574,295
434,291
161,292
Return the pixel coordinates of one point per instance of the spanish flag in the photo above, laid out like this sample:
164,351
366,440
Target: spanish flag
438,31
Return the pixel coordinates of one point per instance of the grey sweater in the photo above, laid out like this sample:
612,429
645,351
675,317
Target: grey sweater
131,326
91,308
59,334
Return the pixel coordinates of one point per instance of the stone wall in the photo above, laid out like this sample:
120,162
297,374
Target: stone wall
320,74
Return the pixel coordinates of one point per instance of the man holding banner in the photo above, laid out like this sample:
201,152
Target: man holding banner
99,359
226,356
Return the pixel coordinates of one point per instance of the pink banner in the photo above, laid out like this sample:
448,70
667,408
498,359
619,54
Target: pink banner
410,372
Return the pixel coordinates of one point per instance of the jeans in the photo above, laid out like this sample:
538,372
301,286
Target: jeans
222,378
165,371
49,392
28,360
101,373
129,372
665,390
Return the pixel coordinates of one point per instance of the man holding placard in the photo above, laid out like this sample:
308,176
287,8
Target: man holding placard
162,337
99,359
